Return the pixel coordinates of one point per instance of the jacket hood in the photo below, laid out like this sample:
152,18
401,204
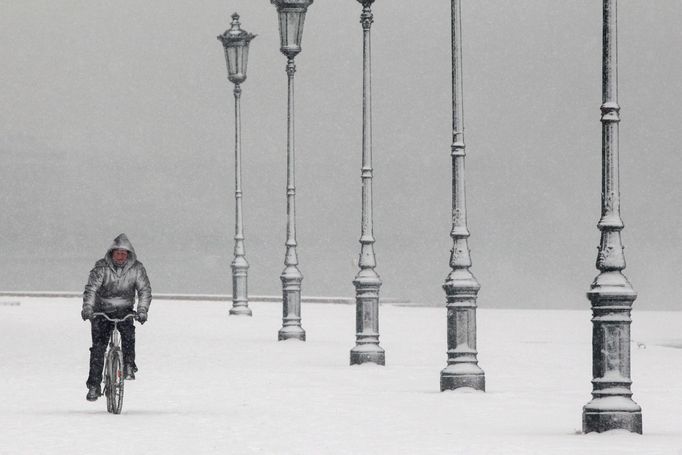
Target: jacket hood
121,243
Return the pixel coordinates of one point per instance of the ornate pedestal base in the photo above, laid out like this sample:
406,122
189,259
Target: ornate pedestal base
240,311
600,420
291,332
240,301
367,349
368,353
291,305
456,376
612,406
461,289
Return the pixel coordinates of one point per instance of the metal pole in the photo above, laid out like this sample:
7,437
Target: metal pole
240,301
367,282
611,294
291,276
461,287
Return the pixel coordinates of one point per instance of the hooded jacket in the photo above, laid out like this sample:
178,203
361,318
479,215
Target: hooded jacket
111,288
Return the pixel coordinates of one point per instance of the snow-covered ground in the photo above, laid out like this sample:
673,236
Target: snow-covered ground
209,383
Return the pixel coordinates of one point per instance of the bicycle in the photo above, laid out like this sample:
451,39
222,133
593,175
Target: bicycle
113,366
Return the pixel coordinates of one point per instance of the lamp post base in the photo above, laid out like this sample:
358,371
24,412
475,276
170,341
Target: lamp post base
464,375
291,305
240,311
612,406
367,353
240,301
367,349
608,419
293,332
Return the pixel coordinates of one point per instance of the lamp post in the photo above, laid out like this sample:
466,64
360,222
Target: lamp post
461,287
291,18
367,281
611,294
236,44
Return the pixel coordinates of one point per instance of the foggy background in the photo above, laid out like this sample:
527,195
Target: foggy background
118,117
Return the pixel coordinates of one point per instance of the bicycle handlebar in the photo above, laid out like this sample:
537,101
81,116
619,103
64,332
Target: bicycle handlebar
131,315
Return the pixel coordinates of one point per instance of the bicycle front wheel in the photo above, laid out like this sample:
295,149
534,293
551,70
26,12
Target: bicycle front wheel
115,382
107,381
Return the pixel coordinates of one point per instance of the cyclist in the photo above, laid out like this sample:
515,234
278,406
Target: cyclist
111,289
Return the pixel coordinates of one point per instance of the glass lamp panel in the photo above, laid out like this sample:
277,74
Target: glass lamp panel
244,60
290,22
293,26
299,28
231,54
283,30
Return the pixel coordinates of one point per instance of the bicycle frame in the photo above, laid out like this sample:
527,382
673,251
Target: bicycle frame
113,366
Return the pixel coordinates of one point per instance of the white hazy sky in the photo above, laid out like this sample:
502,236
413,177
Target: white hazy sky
118,117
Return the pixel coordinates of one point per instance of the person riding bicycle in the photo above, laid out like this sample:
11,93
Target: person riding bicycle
111,289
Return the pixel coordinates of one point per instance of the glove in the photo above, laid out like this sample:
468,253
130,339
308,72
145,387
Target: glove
87,312
142,316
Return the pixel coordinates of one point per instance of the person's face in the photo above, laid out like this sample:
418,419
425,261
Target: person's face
119,256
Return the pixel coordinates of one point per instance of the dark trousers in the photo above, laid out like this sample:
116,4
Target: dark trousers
101,332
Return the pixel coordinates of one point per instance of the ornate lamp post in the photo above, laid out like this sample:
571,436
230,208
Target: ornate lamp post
367,281
611,294
291,18
461,287
236,43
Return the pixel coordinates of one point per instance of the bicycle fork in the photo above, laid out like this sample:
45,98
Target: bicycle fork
113,352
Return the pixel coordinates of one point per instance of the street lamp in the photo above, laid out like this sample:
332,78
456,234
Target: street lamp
291,18
367,282
236,44
461,287
611,294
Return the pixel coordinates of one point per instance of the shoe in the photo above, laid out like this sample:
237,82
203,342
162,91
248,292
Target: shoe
94,392
129,373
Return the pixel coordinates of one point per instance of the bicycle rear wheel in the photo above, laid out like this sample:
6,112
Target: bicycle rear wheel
115,382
